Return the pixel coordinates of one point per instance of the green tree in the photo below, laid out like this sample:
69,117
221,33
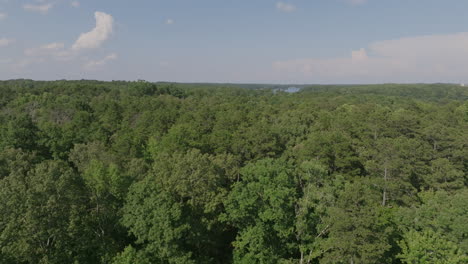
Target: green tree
396,166
317,192
441,212
42,216
360,230
173,212
444,176
261,206
428,247
20,132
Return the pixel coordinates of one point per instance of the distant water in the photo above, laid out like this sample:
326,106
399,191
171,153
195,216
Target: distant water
291,89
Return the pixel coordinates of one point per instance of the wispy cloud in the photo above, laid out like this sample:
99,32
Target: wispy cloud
6,41
285,7
5,61
169,21
98,35
3,15
25,62
39,8
356,2
75,4
44,50
55,50
94,64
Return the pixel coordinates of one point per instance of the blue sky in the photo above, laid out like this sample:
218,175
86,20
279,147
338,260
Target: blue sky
259,41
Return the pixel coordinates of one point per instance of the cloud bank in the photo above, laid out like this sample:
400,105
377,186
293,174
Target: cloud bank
412,59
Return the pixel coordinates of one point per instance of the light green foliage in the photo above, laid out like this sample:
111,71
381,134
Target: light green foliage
157,220
41,220
441,212
105,181
130,256
172,212
261,206
317,191
428,247
444,176
106,188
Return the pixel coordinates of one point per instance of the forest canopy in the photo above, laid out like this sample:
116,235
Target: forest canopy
138,172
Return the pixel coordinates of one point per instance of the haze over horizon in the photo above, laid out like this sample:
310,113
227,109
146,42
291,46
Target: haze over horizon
295,41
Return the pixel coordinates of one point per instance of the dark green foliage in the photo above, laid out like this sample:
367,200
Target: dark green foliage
360,230
139,172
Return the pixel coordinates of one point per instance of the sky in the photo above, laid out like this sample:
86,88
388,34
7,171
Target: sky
242,41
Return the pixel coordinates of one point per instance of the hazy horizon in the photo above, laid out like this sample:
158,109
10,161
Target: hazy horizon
240,83
207,41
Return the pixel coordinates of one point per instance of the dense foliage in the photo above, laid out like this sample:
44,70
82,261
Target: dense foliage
138,172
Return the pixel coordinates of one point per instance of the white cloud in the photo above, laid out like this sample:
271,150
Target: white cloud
430,58
169,21
45,50
75,4
356,2
5,61
6,41
58,55
3,15
58,52
91,65
55,50
359,55
99,34
285,7
25,62
40,8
